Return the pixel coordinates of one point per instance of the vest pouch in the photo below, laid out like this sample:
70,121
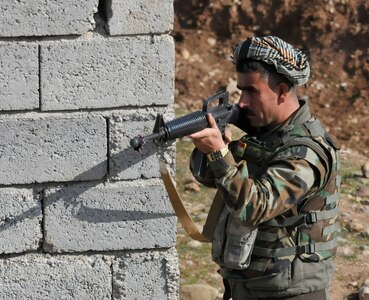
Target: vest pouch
271,282
239,244
233,242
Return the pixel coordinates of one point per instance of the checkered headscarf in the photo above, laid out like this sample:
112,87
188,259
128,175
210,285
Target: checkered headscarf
288,61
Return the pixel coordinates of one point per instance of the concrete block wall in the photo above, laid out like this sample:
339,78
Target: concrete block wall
82,215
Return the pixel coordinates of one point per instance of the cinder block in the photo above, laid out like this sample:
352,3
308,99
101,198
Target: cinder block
107,72
140,16
110,216
150,275
35,276
52,148
126,163
18,75
21,216
46,17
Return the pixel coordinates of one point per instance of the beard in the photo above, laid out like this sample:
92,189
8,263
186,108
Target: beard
243,121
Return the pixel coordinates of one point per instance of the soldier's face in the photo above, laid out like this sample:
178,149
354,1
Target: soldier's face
259,100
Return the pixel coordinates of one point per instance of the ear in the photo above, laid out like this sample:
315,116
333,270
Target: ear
283,90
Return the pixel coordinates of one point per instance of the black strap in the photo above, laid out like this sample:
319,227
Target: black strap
308,218
227,290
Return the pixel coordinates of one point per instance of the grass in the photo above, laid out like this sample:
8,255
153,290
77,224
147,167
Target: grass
196,265
349,176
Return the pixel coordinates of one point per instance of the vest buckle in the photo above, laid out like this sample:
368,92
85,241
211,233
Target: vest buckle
306,249
311,218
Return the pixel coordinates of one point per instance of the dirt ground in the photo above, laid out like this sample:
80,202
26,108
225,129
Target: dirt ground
335,32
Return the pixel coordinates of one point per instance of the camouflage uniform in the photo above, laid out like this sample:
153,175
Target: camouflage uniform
285,183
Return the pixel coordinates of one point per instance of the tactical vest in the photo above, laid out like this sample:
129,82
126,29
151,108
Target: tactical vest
309,230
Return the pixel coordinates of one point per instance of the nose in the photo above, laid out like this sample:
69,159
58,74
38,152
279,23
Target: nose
244,101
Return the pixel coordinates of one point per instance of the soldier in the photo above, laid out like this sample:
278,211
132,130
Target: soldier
273,220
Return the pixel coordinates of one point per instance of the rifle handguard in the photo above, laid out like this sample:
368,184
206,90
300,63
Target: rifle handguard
224,113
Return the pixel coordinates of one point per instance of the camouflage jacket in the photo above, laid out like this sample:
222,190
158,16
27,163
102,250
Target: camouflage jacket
285,182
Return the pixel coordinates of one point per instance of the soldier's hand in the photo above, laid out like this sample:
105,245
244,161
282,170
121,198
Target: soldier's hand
209,139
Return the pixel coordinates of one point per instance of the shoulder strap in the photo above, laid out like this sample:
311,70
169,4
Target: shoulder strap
308,142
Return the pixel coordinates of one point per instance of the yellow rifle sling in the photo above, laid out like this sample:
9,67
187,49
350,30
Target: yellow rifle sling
181,212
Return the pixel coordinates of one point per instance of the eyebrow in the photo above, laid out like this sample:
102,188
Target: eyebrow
247,88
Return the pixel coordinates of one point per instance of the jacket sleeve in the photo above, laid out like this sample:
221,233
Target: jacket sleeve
286,182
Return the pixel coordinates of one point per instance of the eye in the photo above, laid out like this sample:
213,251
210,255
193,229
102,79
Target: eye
249,90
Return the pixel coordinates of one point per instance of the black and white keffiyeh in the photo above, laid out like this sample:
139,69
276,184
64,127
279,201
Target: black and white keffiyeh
288,61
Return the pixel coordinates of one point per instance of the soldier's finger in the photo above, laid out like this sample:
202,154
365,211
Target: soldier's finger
212,122
198,135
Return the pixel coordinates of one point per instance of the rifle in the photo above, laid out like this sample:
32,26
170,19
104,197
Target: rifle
223,113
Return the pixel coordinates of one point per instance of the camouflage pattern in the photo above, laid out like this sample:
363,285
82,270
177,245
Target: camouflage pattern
285,182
